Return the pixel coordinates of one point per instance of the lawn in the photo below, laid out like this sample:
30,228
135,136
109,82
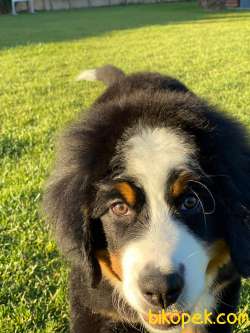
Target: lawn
40,55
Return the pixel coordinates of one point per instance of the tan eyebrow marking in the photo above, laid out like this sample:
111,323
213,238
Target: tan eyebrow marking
127,192
179,185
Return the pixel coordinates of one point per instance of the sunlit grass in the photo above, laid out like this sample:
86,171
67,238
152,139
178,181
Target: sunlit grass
39,57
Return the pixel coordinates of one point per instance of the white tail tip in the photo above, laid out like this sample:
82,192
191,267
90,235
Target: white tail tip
88,75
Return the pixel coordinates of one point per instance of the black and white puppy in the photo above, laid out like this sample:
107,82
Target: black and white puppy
150,203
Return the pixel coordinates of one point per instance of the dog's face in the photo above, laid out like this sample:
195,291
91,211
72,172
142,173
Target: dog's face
157,218
152,193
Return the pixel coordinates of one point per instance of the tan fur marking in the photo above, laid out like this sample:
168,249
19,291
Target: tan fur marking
127,192
110,265
219,257
180,184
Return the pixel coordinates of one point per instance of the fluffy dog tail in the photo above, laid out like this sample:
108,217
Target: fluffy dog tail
108,74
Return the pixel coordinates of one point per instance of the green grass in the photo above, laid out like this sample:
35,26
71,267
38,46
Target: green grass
39,57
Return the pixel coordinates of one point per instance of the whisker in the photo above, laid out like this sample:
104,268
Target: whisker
205,220
121,306
211,195
218,294
192,254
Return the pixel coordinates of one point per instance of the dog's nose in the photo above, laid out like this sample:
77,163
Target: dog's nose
160,289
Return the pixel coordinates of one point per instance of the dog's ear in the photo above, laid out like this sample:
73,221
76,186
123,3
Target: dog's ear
238,236
65,204
236,199
230,166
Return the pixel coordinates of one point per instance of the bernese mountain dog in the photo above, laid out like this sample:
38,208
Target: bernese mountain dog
149,201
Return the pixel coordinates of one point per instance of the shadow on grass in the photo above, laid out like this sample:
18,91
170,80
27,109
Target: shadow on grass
46,27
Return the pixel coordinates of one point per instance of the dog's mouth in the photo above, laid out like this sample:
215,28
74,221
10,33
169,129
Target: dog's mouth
162,320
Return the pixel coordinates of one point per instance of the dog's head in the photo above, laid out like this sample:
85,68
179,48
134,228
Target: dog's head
151,192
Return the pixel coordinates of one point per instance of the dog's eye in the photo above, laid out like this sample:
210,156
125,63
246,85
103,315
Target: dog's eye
120,209
189,202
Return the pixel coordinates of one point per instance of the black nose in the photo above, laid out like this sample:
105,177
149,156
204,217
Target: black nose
160,289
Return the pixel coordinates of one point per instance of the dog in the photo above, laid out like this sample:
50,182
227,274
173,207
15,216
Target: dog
149,201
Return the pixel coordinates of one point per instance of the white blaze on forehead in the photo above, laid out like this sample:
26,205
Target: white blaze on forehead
152,154
156,145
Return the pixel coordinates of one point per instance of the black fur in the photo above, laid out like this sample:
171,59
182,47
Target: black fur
83,161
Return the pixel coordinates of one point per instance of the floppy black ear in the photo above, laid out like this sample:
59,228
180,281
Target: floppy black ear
238,236
66,206
231,165
237,233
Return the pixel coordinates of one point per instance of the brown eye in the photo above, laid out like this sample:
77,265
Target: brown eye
120,209
190,202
